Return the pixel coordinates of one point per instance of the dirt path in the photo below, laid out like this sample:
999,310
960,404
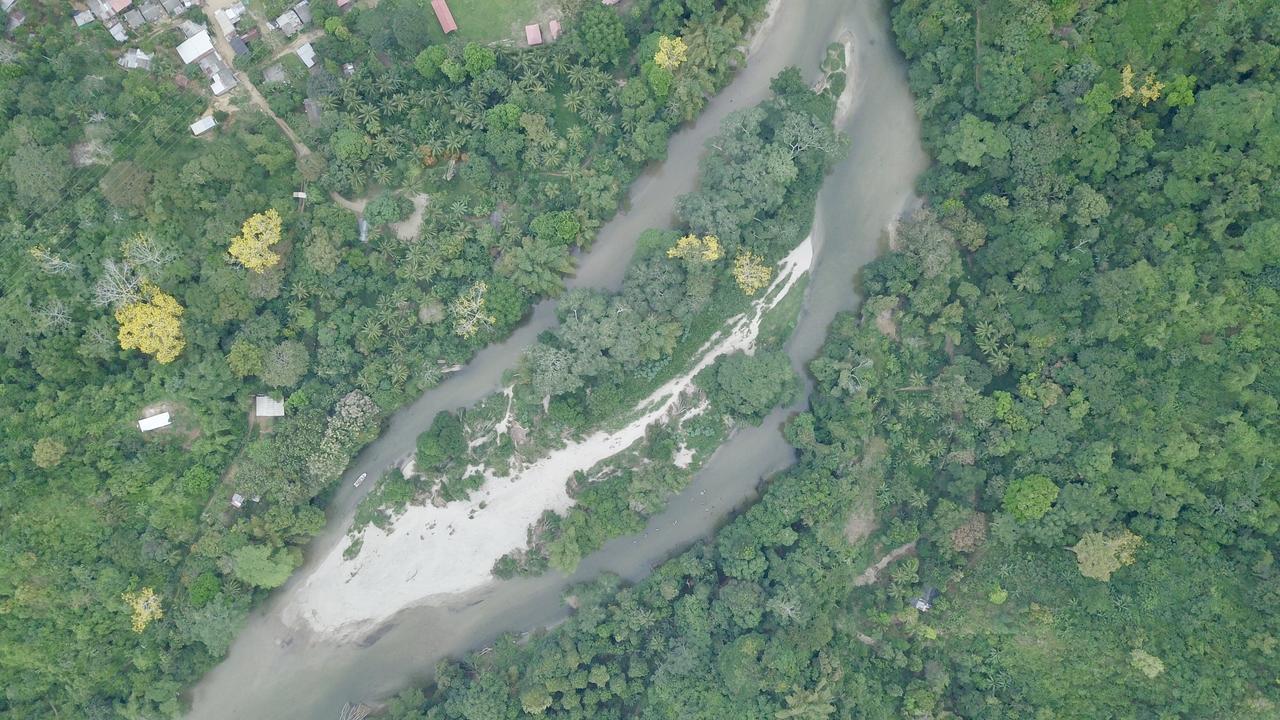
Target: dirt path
356,206
298,42
407,229
224,49
869,575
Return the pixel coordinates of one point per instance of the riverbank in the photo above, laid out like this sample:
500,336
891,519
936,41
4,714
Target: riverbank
310,677
432,551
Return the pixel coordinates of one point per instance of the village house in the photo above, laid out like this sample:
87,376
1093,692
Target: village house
444,16
152,11
307,54
533,34
238,45
200,126
118,32
195,47
135,59
289,23
553,30
228,17
267,406
82,18
154,422
134,19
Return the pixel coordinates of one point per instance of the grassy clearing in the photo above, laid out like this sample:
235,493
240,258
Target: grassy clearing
489,21
780,320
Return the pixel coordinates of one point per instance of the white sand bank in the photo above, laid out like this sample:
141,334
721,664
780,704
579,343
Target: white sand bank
433,551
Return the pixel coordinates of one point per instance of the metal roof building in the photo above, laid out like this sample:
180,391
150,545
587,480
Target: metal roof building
267,406
443,15
155,422
203,124
195,47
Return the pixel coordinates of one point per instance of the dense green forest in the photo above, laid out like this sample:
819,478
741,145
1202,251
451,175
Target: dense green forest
1038,476
149,270
611,350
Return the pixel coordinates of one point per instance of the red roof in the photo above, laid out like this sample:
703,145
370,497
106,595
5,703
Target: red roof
533,34
444,16
120,5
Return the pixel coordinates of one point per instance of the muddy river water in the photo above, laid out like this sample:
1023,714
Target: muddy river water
284,673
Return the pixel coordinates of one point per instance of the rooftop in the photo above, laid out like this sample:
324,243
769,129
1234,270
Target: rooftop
533,34
195,47
267,406
308,54
203,124
289,23
155,422
135,59
445,17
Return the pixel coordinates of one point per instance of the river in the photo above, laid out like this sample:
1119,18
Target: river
283,673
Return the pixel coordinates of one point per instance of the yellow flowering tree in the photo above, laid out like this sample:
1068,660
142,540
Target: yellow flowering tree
1150,90
146,607
151,325
691,247
1147,94
672,52
1126,82
252,247
751,272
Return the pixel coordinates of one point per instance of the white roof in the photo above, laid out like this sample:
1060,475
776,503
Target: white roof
225,23
6,4
82,18
308,54
203,124
289,22
154,422
268,406
117,32
222,82
195,47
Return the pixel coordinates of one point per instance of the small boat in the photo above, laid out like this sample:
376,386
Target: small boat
360,479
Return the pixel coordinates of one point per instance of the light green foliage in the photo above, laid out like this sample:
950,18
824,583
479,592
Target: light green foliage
258,565
974,140
600,38
1029,498
1091,308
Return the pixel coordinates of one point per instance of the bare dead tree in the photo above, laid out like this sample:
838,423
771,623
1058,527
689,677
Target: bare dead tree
143,251
54,315
120,284
51,263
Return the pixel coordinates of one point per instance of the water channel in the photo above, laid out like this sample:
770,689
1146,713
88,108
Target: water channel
285,673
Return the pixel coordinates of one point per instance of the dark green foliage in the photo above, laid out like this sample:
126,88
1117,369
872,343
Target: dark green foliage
1077,337
749,386
441,443
343,331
